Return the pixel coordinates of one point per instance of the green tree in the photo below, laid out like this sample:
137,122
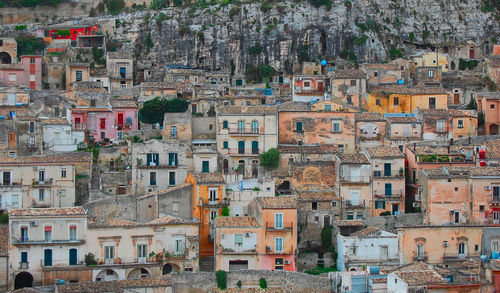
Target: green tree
114,6
480,119
225,212
149,43
263,283
28,45
221,277
154,110
159,4
472,104
270,159
4,218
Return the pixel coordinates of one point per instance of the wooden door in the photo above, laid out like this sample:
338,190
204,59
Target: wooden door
456,98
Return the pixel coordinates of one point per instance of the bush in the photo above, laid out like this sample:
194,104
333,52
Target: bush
326,238
4,218
28,45
472,104
270,159
20,27
225,212
467,64
238,284
320,270
159,4
90,259
154,110
263,283
221,277
255,50
114,6
386,213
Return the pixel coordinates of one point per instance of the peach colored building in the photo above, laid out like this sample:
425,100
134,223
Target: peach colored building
403,130
27,73
489,105
382,73
444,124
278,218
435,244
348,87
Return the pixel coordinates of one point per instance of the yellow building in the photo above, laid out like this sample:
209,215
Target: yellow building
430,59
401,99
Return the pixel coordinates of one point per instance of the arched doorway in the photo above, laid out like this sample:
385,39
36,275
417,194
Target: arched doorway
169,268
23,279
5,58
241,166
138,273
493,129
107,275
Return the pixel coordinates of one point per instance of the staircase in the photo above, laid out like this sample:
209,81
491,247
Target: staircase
207,264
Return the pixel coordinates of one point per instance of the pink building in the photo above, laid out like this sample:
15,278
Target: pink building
28,73
104,123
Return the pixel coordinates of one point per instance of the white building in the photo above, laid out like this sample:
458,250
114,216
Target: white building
368,247
59,135
241,193
42,238
413,279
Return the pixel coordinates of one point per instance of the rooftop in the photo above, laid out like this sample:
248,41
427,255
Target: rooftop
161,221
367,116
446,113
209,178
386,66
492,149
119,55
349,73
114,286
307,149
164,191
319,195
353,159
293,106
368,231
57,121
236,222
33,212
69,157
384,152
121,103
402,89
278,202
346,223
421,277
405,119
246,110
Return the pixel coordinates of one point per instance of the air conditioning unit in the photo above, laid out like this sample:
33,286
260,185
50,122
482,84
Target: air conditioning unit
415,204
287,262
269,248
488,187
35,168
247,234
452,212
34,223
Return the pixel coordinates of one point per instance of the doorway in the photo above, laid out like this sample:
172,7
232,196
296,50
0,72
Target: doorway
23,279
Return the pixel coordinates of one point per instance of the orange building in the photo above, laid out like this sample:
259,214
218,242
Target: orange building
489,105
208,202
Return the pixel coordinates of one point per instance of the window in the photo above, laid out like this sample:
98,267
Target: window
460,123
32,126
78,75
173,131
153,159
440,125
119,135
12,77
457,217
396,101
278,244
462,248
481,208
420,251
328,107
123,72
225,145
32,77
92,103
224,124
241,126
278,220
298,126
377,102
142,252
350,215
495,245
432,103
171,178
205,166
24,260
48,233
353,82
179,246
72,233
314,205
152,178
238,239
41,194
24,234
102,123
212,195
213,215
349,99
430,73
255,127
375,74
492,106
175,207
172,159
32,60
278,263
63,173
194,108
379,204
41,176
109,253
353,250
336,126
307,84
6,178
103,135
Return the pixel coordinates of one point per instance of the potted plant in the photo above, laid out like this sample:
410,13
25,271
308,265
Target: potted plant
401,172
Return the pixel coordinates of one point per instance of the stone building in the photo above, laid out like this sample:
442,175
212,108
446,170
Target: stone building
348,87
120,68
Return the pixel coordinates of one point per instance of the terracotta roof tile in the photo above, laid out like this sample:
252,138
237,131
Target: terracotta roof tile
386,66
32,212
446,113
316,196
383,152
353,158
114,286
349,73
236,222
278,202
293,106
119,103
4,240
69,157
161,221
307,149
57,121
246,110
492,149
367,116
368,231
164,191
406,119
423,277
209,178
489,95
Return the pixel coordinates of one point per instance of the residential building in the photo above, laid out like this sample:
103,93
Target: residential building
415,280
44,238
126,119
120,68
388,181
435,59
353,185
76,72
150,90
315,211
14,102
209,199
242,134
428,75
59,135
176,73
278,218
445,124
367,248
370,129
462,87
348,87
238,243
158,165
27,73
241,193
303,153
403,129
4,256
492,69
489,104
380,73
309,88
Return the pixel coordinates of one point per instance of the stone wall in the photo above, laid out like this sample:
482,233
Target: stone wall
309,260
145,134
292,281
390,223
121,206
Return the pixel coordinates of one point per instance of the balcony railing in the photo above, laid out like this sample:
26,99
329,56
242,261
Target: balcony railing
422,257
456,256
495,200
128,261
214,203
391,174
45,182
241,152
238,250
10,184
24,265
284,227
120,126
355,179
352,204
394,194
27,241
271,250
244,131
153,165
79,126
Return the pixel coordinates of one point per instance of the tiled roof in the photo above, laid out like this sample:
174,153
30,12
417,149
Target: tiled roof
386,66
401,89
246,110
278,202
164,191
161,221
367,116
4,240
236,222
57,121
250,290
353,159
119,103
114,286
69,157
32,212
209,178
119,55
422,278
489,95
76,64
316,196
293,106
349,73
382,152
492,149
406,119
349,223
166,85
474,171
460,79
307,149
446,113
368,231
435,149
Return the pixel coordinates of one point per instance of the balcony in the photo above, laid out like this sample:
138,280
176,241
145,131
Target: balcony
271,250
355,179
456,256
238,250
354,205
10,185
24,265
285,227
421,257
214,203
153,165
46,182
391,174
123,126
494,201
243,131
394,195
27,241
78,127
240,152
